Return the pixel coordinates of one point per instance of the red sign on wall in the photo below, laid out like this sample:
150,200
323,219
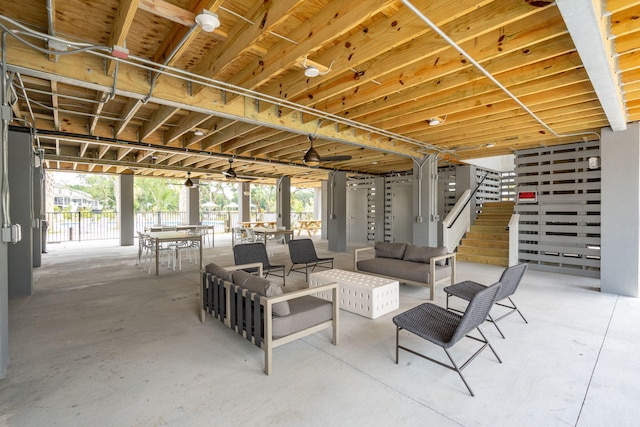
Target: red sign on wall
527,196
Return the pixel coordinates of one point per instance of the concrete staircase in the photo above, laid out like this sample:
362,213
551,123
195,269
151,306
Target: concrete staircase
487,241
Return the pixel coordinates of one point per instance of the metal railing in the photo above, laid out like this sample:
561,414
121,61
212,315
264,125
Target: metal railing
78,226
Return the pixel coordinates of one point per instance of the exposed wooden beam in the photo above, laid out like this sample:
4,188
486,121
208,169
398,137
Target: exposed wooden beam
121,26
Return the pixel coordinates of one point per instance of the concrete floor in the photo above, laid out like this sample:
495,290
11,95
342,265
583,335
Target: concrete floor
102,343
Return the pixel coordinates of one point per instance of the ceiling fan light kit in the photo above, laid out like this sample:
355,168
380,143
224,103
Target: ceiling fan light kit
188,183
209,21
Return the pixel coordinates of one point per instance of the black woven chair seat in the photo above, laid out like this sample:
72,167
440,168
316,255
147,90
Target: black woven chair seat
465,290
430,322
248,253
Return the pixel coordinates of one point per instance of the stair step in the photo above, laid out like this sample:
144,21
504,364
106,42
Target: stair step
487,228
485,243
483,251
504,235
481,259
491,222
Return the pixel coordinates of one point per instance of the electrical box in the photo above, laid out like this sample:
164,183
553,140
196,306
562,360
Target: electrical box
12,234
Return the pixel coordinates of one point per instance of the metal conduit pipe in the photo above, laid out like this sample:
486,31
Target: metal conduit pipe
215,84
167,59
487,74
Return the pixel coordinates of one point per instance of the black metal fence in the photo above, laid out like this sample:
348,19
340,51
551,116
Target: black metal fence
70,226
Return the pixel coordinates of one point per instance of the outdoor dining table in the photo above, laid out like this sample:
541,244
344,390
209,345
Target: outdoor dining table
174,236
267,231
253,224
310,225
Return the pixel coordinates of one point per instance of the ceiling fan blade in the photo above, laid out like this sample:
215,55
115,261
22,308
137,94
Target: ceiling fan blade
335,158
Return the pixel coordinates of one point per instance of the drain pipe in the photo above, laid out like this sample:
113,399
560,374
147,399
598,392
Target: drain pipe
488,75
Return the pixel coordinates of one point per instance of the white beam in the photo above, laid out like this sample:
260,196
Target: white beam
588,26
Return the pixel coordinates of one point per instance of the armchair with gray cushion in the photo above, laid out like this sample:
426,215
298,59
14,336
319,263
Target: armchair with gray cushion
259,310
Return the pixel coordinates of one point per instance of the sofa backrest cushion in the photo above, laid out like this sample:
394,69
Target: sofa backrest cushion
424,253
216,270
390,250
262,287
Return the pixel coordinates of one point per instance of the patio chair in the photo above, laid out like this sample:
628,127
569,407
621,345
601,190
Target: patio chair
445,328
249,253
303,252
510,280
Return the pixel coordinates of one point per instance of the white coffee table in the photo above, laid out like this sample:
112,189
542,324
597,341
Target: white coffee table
368,296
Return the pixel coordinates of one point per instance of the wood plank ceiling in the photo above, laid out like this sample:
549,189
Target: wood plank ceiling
179,99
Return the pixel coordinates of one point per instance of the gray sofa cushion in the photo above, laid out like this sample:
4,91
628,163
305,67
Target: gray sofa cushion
400,269
390,250
306,311
424,253
218,271
262,287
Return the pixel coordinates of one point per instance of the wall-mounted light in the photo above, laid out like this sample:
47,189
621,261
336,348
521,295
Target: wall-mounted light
594,162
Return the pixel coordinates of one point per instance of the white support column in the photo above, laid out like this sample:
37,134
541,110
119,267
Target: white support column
244,201
620,211
337,211
283,203
126,210
193,203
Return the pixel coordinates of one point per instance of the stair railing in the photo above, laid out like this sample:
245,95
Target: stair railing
513,227
457,222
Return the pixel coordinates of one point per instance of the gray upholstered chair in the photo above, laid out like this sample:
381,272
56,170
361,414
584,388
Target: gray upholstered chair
510,280
445,328
303,253
249,253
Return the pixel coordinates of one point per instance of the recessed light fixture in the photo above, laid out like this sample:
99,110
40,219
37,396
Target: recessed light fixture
209,21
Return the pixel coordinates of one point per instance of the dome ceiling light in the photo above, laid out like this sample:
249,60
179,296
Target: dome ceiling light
313,69
209,21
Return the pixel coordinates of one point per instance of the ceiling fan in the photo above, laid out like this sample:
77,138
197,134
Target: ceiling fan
188,183
231,174
313,159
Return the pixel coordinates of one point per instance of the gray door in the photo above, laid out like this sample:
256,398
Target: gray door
357,208
401,213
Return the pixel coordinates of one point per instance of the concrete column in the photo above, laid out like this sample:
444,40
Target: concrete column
620,211
283,202
21,198
324,213
379,203
425,198
337,212
244,201
317,202
193,203
38,213
4,275
125,209
466,180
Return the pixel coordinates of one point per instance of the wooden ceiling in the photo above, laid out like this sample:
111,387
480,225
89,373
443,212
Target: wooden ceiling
384,73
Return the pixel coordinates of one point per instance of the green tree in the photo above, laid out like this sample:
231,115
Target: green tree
156,195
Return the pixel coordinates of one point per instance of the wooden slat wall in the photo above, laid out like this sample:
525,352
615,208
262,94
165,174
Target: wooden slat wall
561,232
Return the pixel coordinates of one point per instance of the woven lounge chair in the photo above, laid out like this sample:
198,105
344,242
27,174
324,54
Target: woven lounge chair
302,252
249,253
445,328
510,280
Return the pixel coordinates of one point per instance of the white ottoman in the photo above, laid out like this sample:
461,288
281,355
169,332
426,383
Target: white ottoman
368,296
